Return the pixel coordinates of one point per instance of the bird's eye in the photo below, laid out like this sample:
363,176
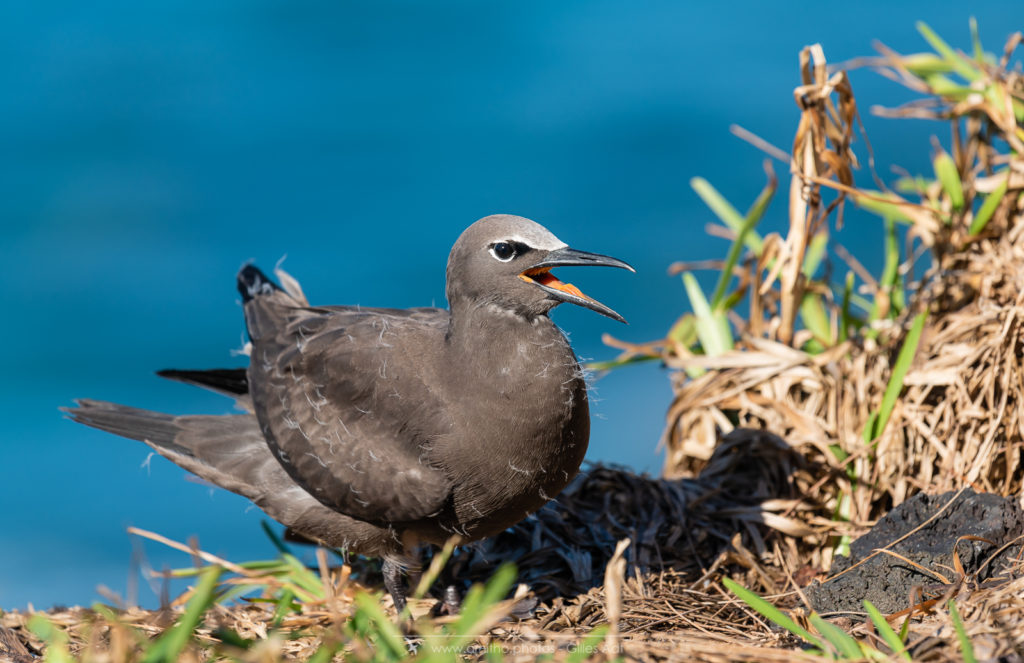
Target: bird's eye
503,251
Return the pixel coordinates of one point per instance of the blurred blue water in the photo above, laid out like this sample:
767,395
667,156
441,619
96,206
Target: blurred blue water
152,148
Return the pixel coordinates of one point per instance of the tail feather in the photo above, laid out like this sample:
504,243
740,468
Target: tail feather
230,451
226,450
229,381
265,304
153,428
252,283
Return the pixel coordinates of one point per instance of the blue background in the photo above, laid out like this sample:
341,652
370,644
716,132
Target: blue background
152,148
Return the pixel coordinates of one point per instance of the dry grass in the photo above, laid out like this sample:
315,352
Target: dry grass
781,444
958,421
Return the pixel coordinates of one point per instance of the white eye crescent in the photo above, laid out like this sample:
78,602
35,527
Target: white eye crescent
503,251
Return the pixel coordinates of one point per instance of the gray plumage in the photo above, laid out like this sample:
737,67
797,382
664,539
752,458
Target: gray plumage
376,430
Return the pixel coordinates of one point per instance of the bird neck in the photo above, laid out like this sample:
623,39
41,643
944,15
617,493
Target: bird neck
494,350
471,323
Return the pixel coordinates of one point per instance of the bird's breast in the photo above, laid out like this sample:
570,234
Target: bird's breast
521,429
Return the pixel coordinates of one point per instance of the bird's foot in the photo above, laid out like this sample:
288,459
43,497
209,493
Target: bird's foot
450,604
412,643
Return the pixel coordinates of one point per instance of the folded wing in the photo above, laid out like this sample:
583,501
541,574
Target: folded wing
341,419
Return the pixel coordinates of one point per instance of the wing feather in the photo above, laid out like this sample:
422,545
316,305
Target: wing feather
341,398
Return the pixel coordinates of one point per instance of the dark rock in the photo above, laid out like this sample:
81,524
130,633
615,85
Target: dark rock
886,581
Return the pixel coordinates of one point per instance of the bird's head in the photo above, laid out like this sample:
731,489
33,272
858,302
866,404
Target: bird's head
505,261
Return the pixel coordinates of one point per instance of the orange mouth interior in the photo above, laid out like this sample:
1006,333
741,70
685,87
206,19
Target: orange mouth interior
544,277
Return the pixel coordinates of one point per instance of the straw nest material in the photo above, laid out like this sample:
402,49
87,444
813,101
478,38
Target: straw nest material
959,419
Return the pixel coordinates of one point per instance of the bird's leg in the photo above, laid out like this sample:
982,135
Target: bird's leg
413,576
451,604
393,583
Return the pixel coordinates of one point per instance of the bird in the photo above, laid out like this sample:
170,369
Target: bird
381,430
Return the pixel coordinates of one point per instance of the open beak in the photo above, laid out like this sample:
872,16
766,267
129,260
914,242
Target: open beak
540,275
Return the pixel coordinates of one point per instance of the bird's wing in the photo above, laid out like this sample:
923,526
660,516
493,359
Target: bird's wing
342,399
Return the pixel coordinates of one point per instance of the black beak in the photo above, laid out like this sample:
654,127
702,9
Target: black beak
572,258
540,275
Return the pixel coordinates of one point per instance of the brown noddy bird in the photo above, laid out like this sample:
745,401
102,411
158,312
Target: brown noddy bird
377,430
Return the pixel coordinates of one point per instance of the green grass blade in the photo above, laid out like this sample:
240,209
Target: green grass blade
770,612
233,592
378,624
168,647
843,508
56,640
815,254
899,371
916,184
587,646
897,298
946,87
861,302
324,653
870,427
757,210
232,638
746,227
285,604
959,64
883,207
966,648
724,210
730,302
712,326
979,52
812,312
949,178
472,606
725,275
843,643
268,565
476,615
500,583
494,653
925,64
843,512
611,364
684,331
478,602
885,631
988,208
298,574
275,540
434,570
844,308
889,282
